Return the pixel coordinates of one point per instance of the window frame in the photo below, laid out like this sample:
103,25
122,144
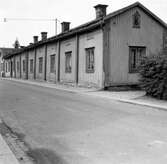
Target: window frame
9,66
31,65
52,67
18,66
24,66
137,58
68,62
40,67
136,15
88,63
6,67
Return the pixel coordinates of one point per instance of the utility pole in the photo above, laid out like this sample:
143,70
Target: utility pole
56,26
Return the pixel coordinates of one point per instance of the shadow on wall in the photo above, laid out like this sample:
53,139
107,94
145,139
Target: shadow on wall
45,156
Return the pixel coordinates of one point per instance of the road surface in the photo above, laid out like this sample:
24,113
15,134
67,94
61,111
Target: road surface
82,129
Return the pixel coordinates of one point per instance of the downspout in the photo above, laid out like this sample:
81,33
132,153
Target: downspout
20,67
77,58
105,53
14,66
58,74
35,57
11,67
45,72
27,58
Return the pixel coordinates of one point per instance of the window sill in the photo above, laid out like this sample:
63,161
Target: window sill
90,71
133,72
136,26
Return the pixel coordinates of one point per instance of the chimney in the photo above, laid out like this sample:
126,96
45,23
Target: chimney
43,35
35,38
65,26
100,10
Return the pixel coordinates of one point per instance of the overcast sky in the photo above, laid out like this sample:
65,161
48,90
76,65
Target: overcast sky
74,11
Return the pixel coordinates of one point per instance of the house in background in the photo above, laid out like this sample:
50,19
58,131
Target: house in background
101,53
3,52
6,68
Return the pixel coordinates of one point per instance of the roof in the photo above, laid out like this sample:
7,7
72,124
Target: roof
97,23
6,51
136,4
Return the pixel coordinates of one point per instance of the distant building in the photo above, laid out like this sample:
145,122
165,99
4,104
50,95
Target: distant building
102,52
3,53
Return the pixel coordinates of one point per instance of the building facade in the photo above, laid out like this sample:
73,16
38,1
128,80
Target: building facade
100,53
5,68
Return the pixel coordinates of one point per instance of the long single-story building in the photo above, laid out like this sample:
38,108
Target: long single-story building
103,52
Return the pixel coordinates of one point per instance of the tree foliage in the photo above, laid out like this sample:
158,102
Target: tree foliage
153,73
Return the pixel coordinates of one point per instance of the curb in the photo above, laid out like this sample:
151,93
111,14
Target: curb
45,85
159,107
135,102
6,154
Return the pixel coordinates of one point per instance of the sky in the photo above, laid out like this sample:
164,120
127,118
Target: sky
75,11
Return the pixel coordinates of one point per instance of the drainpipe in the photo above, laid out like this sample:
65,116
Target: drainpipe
77,58
58,74
27,65
35,57
20,67
105,53
45,72
11,67
14,67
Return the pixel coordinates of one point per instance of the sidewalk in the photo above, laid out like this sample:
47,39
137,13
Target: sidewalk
133,97
6,155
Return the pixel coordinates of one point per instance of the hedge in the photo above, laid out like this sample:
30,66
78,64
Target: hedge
153,75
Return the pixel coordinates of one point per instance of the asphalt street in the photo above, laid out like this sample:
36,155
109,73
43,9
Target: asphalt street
82,129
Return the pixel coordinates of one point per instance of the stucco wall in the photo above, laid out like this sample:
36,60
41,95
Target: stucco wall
52,49
93,39
66,46
122,35
40,52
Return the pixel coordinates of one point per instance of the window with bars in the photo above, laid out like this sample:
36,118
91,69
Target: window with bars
90,62
18,66
24,66
136,20
31,66
52,63
68,62
40,64
135,55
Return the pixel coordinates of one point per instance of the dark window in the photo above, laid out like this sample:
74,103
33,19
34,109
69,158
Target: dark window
24,66
135,55
18,66
40,64
68,64
136,20
52,63
6,67
90,62
31,66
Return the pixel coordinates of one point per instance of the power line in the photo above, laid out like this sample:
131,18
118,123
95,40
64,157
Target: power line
33,19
